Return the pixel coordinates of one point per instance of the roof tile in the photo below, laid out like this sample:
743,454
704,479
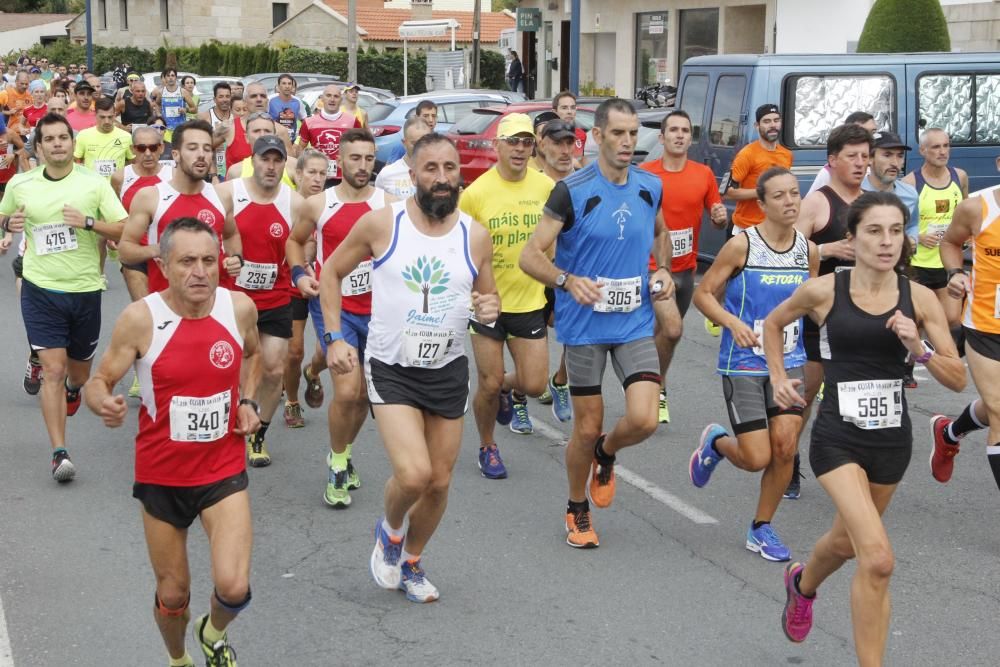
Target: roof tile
382,25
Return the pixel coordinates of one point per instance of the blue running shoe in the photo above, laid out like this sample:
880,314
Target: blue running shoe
767,543
521,423
505,411
385,558
490,463
562,407
705,458
414,582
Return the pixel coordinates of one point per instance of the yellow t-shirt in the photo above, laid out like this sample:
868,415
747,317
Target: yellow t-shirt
105,153
247,172
510,210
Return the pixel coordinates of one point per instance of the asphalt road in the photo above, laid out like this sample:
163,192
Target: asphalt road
671,583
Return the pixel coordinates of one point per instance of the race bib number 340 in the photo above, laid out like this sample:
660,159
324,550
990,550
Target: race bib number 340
199,419
619,295
54,237
871,404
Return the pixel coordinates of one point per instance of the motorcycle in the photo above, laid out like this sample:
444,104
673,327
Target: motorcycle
658,95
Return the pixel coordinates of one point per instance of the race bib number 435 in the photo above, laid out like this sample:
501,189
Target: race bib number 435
871,404
199,419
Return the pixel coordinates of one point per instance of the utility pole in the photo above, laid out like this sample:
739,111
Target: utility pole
475,44
352,41
574,47
90,39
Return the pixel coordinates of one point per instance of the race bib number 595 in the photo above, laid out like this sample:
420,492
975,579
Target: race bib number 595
871,404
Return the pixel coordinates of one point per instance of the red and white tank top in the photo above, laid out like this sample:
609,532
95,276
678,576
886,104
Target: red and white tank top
334,223
171,204
323,132
190,379
264,229
133,182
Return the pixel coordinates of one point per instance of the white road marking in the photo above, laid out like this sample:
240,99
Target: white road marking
6,655
638,481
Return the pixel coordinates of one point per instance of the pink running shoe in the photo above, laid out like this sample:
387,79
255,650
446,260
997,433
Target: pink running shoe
797,617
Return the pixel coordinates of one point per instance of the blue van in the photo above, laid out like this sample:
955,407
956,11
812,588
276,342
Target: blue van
906,92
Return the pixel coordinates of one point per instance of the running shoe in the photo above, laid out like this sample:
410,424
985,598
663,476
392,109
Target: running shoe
219,654
602,482
257,451
819,394
33,376
562,406
705,458
766,542
413,580
135,391
909,382
336,494
943,453
384,562
797,616
72,401
546,397
63,469
794,490
314,389
293,415
712,328
664,416
353,480
490,464
521,422
580,533
505,409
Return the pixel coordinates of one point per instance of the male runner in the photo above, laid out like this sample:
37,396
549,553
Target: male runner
220,116
83,114
104,147
263,208
258,124
238,144
185,195
14,99
426,111
606,219
189,343
63,210
349,103
134,109
887,162
285,108
862,118
750,162
691,190
330,216
756,271
508,201
977,220
172,100
564,104
433,262
395,177
322,130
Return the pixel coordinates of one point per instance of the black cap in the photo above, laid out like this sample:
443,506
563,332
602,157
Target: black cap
269,142
765,109
543,118
82,86
888,140
557,130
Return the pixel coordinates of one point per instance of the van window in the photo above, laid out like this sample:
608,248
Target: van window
724,130
817,104
693,101
946,101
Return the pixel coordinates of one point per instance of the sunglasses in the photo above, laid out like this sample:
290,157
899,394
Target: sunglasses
146,148
527,142
161,128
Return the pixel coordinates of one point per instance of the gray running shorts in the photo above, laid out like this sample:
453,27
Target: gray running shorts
750,401
635,361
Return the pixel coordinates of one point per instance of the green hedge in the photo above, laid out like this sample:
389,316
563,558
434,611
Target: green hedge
903,26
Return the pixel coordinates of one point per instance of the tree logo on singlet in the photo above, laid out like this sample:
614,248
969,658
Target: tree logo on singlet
206,216
426,277
621,216
221,355
276,229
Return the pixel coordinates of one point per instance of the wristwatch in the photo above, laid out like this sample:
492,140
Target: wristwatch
928,353
330,336
561,280
252,403
952,272
240,257
88,223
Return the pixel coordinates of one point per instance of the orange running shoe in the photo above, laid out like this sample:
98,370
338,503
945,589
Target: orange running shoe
602,480
580,534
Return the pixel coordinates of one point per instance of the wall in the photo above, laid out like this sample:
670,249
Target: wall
314,29
743,29
973,26
25,38
799,30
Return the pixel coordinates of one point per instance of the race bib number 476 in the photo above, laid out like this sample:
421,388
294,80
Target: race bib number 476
53,237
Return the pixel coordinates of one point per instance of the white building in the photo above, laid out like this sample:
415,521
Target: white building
19,32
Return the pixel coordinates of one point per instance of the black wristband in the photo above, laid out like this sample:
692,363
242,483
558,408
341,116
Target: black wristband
252,403
240,257
952,272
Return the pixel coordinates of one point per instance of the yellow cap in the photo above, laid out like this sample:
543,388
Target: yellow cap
514,124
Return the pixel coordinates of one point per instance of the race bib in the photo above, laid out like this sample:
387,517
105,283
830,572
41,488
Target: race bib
425,347
682,241
199,419
53,237
937,229
220,160
171,111
358,281
105,168
791,337
619,295
871,404
257,276
332,169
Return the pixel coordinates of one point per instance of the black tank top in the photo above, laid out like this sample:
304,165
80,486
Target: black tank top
835,230
136,114
864,364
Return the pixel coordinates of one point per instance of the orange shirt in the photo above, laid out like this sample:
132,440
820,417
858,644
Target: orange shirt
10,98
752,161
687,194
982,309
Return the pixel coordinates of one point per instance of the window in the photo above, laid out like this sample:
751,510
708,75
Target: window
123,14
102,14
279,13
164,15
650,48
724,130
946,101
694,95
452,113
698,34
817,104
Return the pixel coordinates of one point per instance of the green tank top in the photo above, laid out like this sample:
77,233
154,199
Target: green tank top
936,206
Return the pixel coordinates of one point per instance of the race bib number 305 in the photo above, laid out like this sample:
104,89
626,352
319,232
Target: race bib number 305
199,419
358,281
424,347
871,404
619,295
257,276
54,237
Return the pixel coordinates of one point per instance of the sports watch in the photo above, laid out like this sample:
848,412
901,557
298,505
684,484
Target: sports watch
561,280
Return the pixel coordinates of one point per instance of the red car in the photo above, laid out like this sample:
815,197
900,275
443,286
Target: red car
474,134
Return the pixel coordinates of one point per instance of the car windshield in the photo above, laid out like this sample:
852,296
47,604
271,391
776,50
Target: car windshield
474,123
380,111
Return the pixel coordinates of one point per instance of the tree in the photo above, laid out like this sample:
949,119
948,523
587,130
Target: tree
426,278
500,5
901,26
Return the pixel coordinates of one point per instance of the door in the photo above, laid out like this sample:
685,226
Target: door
547,60
564,57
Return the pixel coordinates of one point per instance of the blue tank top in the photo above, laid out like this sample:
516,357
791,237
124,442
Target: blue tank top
286,113
768,278
174,107
607,236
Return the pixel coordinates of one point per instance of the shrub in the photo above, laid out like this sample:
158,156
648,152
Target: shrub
901,26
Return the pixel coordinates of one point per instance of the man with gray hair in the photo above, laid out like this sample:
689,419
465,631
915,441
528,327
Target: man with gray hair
395,176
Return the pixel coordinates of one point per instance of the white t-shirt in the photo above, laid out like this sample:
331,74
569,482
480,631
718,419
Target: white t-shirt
822,178
395,179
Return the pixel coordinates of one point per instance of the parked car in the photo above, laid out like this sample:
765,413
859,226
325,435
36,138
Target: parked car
270,79
474,134
906,92
386,118
648,146
204,85
152,80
